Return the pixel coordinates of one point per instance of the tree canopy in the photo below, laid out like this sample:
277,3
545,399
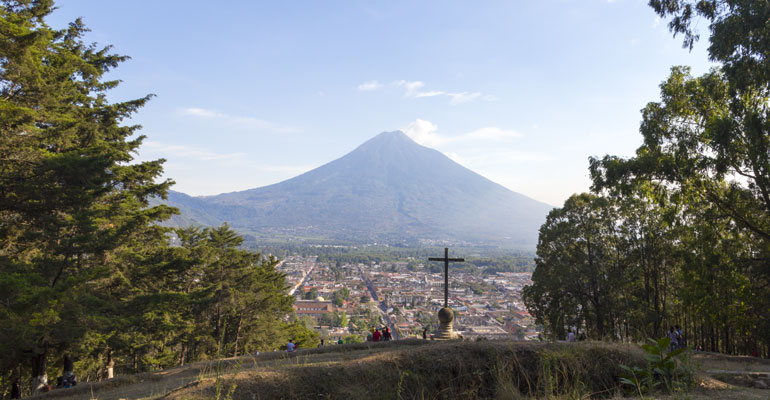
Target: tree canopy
86,271
687,219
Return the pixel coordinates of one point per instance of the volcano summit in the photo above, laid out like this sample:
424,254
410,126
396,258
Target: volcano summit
389,189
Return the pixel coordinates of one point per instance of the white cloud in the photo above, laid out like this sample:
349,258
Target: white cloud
464,97
412,90
432,93
184,151
370,85
493,152
425,133
200,112
238,121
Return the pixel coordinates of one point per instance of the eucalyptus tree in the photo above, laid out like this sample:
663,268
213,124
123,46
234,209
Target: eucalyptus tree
707,141
738,35
648,229
578,268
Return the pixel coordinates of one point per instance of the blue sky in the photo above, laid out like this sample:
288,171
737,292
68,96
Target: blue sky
250,93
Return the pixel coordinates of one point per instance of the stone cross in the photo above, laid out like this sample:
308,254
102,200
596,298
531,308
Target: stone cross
446,261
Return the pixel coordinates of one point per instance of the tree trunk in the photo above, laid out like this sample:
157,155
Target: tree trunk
218,333
237,336
182,354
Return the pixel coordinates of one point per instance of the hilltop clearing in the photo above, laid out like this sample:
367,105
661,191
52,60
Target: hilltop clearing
418,369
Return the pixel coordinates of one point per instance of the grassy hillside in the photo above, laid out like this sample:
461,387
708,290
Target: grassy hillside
415,369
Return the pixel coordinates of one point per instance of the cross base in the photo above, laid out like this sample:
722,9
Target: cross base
446,331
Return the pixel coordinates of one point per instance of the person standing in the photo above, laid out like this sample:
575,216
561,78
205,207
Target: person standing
386,335
571,336
16,389
69,367
673,336
425,334
340,341
377,335
290,346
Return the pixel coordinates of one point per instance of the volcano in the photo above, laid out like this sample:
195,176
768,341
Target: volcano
389,190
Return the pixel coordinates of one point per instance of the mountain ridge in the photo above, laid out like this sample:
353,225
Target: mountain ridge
388,189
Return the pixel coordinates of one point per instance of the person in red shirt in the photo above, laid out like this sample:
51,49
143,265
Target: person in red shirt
376,336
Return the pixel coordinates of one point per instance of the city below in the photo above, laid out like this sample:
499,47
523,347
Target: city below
351,300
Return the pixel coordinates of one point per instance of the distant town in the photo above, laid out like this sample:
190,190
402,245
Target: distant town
350,300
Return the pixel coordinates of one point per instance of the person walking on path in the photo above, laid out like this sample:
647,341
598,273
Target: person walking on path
340,341
386,334
679,336
290,346
673,336
377,335
425,334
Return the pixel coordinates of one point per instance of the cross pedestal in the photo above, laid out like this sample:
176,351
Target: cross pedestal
446,315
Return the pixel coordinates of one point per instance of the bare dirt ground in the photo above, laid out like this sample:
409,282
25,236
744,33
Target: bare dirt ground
159,384
718,376
721,376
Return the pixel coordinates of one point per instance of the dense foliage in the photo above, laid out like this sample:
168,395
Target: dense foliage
680,233
627,267
85,271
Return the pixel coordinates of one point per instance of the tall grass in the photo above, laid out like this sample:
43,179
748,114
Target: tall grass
449,370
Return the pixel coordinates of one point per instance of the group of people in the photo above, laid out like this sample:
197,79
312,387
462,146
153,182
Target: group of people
291,346
338,341
65,381
377,336
677,338
573,337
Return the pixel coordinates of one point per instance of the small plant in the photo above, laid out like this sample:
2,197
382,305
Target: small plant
662,367
225,389
638,378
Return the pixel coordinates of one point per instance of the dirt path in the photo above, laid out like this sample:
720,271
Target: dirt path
157,384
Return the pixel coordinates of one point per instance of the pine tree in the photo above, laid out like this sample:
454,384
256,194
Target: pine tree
70,196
